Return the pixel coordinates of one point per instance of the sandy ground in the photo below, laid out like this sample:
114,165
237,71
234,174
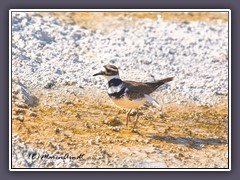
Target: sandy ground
108,21
96,20
177,136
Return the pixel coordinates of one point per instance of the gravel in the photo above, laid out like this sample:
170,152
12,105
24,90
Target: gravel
24,156
47,53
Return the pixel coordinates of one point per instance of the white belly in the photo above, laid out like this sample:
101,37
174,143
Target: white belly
126,103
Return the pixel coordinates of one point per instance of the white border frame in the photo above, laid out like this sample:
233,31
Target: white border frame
120,10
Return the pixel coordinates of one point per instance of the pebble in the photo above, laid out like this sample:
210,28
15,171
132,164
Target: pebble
115,128
21,105
19,117
33,114
67,101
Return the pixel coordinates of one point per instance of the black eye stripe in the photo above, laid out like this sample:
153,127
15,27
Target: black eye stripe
111,70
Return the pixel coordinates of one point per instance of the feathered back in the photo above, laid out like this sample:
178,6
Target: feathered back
138,89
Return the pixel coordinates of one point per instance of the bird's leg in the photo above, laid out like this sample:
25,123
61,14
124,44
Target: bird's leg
136,121
128,117
162,114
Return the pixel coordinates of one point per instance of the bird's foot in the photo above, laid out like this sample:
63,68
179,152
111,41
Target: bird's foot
135,126
128,117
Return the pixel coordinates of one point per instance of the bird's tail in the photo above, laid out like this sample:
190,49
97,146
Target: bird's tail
163,81
158,83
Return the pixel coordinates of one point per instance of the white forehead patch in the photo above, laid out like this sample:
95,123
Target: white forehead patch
103,69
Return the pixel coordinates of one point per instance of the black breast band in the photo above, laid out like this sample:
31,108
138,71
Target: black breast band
118,95
114,82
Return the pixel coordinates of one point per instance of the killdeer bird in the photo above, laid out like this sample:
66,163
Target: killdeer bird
129,94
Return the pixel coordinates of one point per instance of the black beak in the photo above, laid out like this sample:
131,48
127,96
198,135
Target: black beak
100,73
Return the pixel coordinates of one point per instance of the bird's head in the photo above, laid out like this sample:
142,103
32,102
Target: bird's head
109,72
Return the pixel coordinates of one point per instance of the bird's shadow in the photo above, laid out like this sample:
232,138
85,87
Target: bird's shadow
193,143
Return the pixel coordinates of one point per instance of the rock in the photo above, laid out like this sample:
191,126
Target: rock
113,122
117,129
33,114
172,51
19,117
24,98
67,101
19,111
49,85
21,105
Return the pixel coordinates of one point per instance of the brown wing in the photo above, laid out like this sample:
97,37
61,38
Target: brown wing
138,89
